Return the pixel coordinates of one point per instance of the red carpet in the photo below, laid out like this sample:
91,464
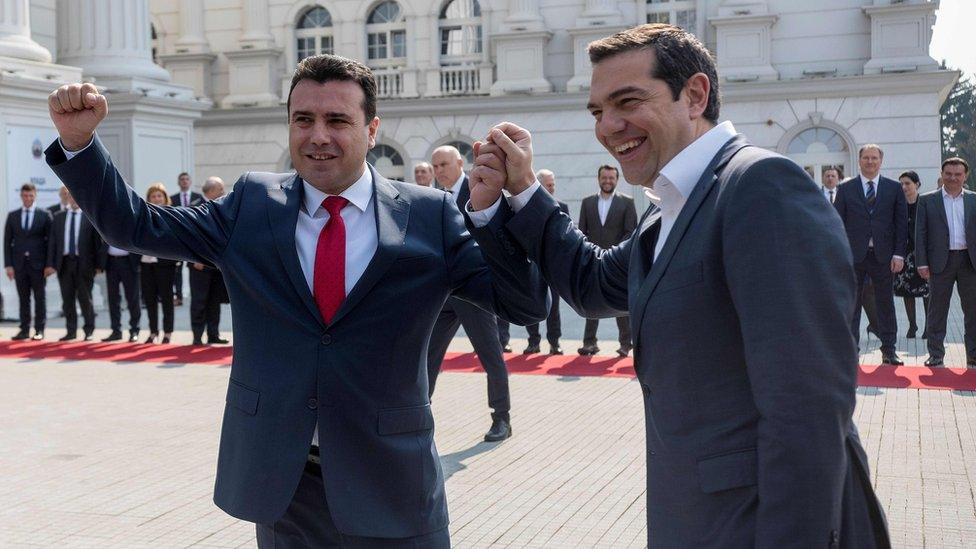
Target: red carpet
914,377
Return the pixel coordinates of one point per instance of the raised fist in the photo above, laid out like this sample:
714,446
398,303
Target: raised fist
76,110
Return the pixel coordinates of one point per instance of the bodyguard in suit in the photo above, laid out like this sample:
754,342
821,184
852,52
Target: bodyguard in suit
62,204
336,276
75,253
607,219
719,282
831,178
479,324
25,239
945,251
875,216
185,198
122,268
207,290
553,326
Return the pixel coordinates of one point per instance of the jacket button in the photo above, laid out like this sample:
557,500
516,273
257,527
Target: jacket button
312,403
326,339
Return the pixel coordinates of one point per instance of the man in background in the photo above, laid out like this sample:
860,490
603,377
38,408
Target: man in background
207,290
607,219
25,241
553,325
75,253
423,174
62,204
831,178
186,198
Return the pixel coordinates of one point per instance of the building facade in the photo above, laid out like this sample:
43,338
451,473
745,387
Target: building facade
201,84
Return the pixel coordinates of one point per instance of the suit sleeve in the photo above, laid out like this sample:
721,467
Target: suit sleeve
8,242
901,224
582,218
840,203
922,233
780,243
630,217
52,244
488,271
126,221
592,280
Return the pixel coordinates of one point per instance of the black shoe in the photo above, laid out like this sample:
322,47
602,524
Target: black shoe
69,336
217,341
114,336
893,360
21,335
152,338
197,341
587,350
89,336
555,350
871,331
133,336
38,336
623,352
971,362
500,430
506,348
932,361
165,340
531,350
911,332
925,333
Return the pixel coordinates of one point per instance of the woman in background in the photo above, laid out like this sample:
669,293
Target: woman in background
908,284
157,278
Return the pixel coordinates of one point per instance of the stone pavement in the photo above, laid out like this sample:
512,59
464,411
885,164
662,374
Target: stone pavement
123,455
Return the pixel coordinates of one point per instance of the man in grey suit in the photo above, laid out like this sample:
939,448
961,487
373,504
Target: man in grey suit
607,219
748,370
945,249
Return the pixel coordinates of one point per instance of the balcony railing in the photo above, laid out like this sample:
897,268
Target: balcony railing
389,83
463,80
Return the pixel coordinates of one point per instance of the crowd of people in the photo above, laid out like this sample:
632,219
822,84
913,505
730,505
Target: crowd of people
61,241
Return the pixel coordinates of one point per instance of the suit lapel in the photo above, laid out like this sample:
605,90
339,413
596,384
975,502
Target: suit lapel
940,202
392,214
283,211
858,190
640,261
701,190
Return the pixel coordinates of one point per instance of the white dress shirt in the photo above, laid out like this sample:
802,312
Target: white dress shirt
678,178
456,186
864,186
76,214
956,216
117,252
184,198
829,194
27,213
603,206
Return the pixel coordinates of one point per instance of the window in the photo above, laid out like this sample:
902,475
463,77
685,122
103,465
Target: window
817,149
387,161
466,151
460,32
386,35
681,13
313,34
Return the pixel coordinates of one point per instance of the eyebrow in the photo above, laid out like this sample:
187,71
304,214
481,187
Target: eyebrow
619,92
330,114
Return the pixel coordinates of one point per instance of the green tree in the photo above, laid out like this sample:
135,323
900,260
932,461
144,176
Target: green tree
959,123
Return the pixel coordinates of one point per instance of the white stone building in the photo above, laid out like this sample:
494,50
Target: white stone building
811,80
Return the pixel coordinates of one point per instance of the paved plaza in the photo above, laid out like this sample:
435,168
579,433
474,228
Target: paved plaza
123,455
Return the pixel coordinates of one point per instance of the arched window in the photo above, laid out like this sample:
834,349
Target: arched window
387,161
467,152
817,149
680,13
386,35
460,32
313,33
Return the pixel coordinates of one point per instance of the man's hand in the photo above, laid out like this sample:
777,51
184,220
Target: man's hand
48,271
198,266
76,110
513,145
897,264
924,273
10,273
487,179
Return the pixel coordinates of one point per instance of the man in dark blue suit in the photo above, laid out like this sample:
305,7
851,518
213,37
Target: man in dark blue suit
875,215
336,276
25,242
748,371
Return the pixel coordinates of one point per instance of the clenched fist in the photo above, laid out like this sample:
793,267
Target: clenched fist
76,110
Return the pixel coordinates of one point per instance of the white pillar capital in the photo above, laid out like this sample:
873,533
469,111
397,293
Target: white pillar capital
191,38
257,34
15,34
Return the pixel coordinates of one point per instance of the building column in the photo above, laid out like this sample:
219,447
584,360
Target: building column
524,16
599,18
191,38
15,35
257,33
191,64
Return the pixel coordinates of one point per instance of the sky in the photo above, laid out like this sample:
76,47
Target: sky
954,36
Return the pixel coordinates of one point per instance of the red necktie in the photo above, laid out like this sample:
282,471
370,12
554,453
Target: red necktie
329,280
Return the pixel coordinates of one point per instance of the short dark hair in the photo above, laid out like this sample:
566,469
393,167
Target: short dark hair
327,68
28,187
678,55
955,160
181,175
910,174
838,169
599,170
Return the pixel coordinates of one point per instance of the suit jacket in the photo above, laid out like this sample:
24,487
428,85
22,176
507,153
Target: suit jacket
17,242
55,208
91,247
363,377
932,229
742,451
195,199
887,225
621,220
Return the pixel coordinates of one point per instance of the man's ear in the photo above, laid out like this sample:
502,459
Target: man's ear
373,126
696,92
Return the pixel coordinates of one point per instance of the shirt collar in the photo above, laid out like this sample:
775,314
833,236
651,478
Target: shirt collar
865,179
949,196
686,168
457,185
608,198
358,194
31,209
